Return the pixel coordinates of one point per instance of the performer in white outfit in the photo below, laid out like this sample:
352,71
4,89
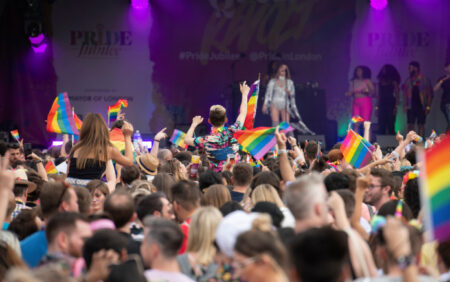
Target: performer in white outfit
280,99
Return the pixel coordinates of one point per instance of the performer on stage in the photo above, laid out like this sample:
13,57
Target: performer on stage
444,83
388,98
417,96
280,99
361,89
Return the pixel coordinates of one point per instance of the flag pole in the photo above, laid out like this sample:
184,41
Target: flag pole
73,116
108,116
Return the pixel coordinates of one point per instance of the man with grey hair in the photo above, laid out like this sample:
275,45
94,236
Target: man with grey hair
159,249
164,155
306,198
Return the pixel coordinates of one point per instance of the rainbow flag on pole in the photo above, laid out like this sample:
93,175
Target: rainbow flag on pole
357,119
114,110
357,151
251,105
435,189
178,138
258,141
15,134
60,118
50,168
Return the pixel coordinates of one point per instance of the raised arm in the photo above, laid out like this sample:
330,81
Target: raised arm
127,160
6,185
285,167
155,147
63,152
243,109
189,139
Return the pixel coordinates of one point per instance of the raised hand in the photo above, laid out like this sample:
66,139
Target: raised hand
6,176
245,89
127,129
399,137
281,138
161,134
197,120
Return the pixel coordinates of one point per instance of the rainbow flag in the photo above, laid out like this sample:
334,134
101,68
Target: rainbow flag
435,189
50,168
114,110
15,134
258,141
433,134
357,150
251,105
178,138
117,139
357,119
78,122
60,118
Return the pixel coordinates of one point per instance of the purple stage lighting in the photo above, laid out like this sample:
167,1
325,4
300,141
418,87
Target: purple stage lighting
139,4
378,4
39,49
36,40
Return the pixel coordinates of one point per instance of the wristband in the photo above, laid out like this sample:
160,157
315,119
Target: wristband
282,151
405,261
156,140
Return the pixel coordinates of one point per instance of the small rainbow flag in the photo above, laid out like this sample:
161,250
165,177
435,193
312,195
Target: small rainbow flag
117,139
78,122
357,151
251,105
114,110
435,189
15,134
258,141
433,134
50,168
357,119
178,138
60,118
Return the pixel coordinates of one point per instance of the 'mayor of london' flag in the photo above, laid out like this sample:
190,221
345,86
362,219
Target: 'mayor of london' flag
251,105
258,141
435,189
178,138
357,151
60,118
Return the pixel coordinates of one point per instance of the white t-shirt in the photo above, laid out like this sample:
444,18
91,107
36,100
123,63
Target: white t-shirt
154,275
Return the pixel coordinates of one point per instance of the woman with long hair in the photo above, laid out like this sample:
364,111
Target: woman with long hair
280,99
89,157
198,261
388,98
361,90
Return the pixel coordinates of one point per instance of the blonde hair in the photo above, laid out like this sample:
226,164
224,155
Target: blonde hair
202,233
94,139
217,115
216,195
266,193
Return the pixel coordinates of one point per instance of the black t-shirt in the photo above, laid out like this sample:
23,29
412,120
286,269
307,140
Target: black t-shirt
446,94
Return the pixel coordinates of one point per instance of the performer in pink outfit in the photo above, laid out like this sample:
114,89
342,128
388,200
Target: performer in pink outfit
361,89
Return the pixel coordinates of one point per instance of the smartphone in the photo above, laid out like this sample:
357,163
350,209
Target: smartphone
27,149
232,158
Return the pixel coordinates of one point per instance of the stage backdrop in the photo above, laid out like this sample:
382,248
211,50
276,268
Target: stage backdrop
101,54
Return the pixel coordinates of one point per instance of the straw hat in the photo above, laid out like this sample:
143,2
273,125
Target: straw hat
21,177
148,163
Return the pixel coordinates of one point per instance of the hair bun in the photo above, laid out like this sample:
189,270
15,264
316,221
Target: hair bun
262,223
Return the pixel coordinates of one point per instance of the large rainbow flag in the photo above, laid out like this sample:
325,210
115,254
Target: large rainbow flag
114,110
117,139
258,141
60,118
177,138
435,189
251,105
357,151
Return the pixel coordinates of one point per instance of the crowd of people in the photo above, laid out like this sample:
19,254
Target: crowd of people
191,215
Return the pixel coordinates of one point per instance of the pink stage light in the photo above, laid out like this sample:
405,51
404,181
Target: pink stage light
37,39
378,4
39,49
139,4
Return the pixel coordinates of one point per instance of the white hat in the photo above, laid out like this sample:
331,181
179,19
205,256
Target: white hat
231,227
21,177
